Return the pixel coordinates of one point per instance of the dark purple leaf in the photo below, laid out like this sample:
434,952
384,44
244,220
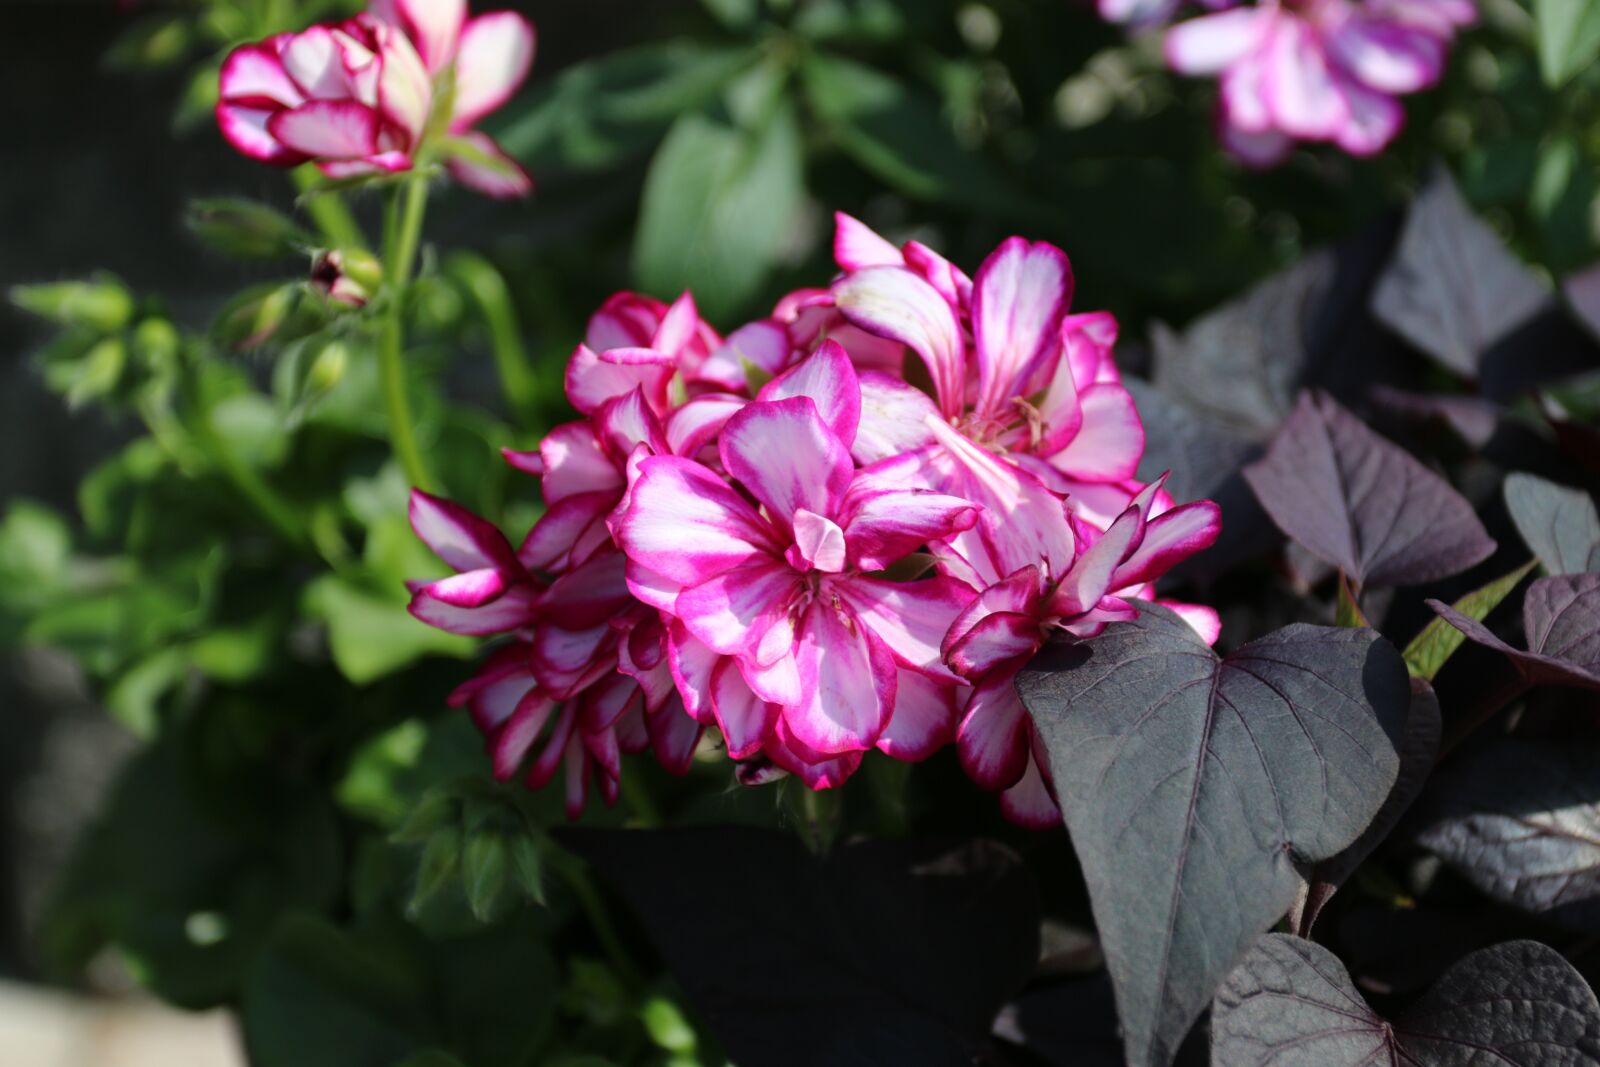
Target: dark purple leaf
1192,785
1453,288
881,952
1473,418
1562,618
1521,821
1361,503
1418,750
1560,525
1291,1004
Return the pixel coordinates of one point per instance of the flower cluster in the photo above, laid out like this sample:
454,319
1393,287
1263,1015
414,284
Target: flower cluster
399,84
1309,70
775,534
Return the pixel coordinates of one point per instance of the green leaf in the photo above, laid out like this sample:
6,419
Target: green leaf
134,698
667,1027
1568,36
734,14
902,138
484,864
1428,652
35,549
1348,611
853,21
441,858
527,866
98,372
599,113
719,203
371,636
319,998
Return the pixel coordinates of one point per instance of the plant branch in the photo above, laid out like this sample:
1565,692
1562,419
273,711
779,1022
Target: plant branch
402,233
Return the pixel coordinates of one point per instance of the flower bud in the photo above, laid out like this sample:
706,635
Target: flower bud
327,368
347,277
103,304
251,319
245,228
156,343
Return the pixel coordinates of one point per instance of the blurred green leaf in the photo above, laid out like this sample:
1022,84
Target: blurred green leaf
902,138
152,43
719,203
134,698
852,21
185,874
734,14
371,636
35,549
319,998
484,868
603,111
1569,37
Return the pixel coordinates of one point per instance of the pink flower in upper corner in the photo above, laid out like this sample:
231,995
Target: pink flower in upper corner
1317,70
364,96
777,580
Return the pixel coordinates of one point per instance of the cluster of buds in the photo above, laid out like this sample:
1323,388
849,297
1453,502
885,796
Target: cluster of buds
776,536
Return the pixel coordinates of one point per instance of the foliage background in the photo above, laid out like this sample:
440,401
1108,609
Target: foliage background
291,719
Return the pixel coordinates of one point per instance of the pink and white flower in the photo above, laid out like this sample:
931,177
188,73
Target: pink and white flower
364,96
1317,70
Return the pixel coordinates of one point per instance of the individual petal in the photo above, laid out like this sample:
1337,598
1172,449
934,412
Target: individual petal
759,349
550,757
992,739
674,735
848,683
313,61
894,418
510,744
733,610
253,77
476,161
883,527
382,163
246,129
1137,12
1091,576
589,595
1374,120
1092,622
1088,339
457,536
1385,56
1029,803
496,54
327,129
1202,620
603,703
434,26
625,320
1302,93
940,273
1020,593
745,719
1060,410
909,618
1021,293
689,525
568,533
924,719
591,381
785,455
996,640
575,756
470,589
1170,539
678,328
1110,440
625,422
1023,523
817,771
697,423
818,544
856,245
895,303
1208,44
404,92
692,662
511,611
1258,149
829,378
573,462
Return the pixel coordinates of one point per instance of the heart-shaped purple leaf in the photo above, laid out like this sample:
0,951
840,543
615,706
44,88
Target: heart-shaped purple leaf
1291,1003
1562,618
1521,821
1192,785
1453,288
1361,503
1560,525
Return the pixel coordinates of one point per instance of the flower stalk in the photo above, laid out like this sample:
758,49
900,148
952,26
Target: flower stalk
402,234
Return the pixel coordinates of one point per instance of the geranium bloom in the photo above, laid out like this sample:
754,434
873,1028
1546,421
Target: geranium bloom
1317,70
362,96
774,535
781,584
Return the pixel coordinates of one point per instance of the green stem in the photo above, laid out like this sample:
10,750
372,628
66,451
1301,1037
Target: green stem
328,210
488,289
572,869
402,231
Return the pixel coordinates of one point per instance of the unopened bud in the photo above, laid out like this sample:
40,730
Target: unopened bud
347,276
103,304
